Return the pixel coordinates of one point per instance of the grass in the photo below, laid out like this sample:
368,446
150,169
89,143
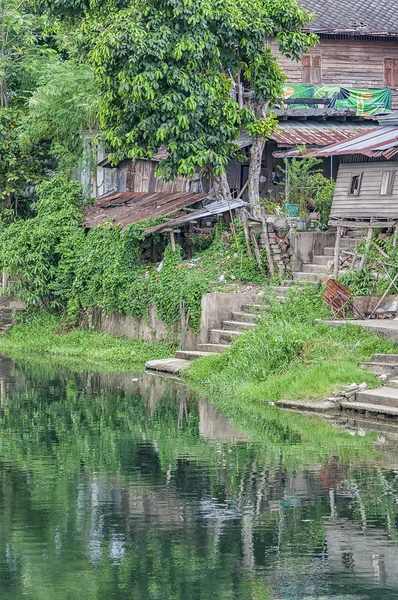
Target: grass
287,356
36,337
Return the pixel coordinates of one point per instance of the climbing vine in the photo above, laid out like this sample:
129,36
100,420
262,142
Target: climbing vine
56,264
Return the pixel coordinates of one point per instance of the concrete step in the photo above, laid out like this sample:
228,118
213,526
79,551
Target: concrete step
219,336
192,354
252,308
320,259
213,348
378,409
168,365
287,282
312,268
302,276
237,325
386,396
244,316
380,368
386,359
280,290
281,299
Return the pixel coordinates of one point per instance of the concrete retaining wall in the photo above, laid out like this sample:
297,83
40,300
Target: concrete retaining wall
216,307
304,245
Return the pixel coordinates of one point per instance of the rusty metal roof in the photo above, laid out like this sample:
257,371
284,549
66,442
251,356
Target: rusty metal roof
356,17
124,208
215,208
379,142
315,133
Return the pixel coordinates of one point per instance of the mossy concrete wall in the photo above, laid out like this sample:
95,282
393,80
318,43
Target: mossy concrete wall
216,307
304,245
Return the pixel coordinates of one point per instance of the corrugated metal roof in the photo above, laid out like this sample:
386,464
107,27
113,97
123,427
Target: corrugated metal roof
124,208
380,142
361,17
214,208
315,133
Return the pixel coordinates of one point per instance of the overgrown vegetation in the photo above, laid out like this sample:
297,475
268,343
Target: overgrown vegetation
289,357
57,265
379,268
41,335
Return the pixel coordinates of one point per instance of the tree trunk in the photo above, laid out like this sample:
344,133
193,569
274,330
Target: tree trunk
256,154
220,189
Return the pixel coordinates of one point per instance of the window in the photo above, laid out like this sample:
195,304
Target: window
387,183
391,72
312,69
355,186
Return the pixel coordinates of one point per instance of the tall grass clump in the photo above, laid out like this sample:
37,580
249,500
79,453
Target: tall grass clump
288,355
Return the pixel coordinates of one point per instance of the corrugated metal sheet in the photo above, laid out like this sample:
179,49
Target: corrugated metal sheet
379,142
124,208
314,133
214,208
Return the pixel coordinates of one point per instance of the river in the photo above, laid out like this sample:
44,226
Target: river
124,486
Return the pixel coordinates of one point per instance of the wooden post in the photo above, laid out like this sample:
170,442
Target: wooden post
336,260
270,260
247,235
395,236
4,283
367,248
173,241
257,252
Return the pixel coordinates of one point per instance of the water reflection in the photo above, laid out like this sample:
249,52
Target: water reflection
113,487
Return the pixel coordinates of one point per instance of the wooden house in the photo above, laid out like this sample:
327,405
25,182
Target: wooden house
358,46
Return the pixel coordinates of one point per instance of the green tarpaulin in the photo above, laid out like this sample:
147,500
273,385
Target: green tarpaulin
364,102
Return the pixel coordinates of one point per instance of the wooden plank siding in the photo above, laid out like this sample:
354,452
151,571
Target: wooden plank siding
369,202
350,63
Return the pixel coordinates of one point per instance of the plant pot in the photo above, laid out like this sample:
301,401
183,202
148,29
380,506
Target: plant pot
292,210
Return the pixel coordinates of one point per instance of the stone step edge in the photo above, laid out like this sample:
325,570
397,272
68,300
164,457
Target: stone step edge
371,408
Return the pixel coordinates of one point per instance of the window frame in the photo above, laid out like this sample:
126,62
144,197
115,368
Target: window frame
390,183
353,176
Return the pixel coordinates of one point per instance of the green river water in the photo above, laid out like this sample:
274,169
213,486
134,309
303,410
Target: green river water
133,487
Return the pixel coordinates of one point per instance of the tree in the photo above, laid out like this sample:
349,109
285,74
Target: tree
166,70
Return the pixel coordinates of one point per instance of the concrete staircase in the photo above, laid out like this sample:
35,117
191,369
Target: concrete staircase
318,270
383,401
220,340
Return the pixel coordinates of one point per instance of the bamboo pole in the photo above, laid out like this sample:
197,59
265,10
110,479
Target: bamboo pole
336,259
270,260
173,241
369,236
257,252
247,235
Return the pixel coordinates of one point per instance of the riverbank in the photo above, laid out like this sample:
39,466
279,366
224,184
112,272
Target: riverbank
40,335
288,356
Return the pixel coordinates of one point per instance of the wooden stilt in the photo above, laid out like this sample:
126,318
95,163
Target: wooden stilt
173,241
336,260
270,260
367,248
247,235
257,252
4,283
395,237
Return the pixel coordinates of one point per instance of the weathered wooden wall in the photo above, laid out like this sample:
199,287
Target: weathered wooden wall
353,63
139,176
369,202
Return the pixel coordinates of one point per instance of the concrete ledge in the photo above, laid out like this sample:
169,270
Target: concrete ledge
168,365
308,406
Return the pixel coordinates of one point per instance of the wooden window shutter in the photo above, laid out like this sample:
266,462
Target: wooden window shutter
306,64
388,72
394,73
316,78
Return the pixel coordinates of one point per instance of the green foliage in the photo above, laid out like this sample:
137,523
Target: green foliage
174,88
40,334
288,356
63,109
307,187
56,264
380,266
